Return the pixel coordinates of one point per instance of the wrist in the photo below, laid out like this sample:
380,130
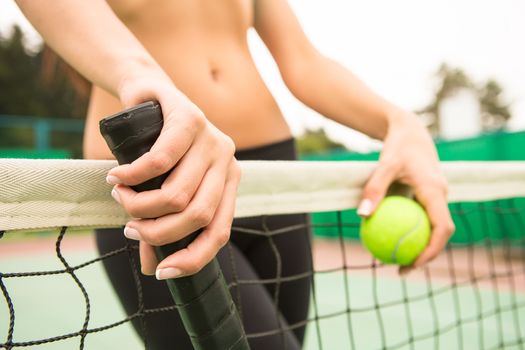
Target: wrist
135,70
401,119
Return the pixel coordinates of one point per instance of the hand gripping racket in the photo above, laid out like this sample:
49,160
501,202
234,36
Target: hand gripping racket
204,302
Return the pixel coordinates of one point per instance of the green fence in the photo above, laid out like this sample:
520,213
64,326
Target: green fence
481,217
38,137
474,221
497,146
34,154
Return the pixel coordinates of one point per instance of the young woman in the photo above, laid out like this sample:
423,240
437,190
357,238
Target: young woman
192,56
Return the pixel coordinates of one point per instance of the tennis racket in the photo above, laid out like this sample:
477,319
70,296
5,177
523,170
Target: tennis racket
204,302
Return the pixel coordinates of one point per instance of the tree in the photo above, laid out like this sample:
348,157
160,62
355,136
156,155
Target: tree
495,113
316,141
32,83
17,77
37,84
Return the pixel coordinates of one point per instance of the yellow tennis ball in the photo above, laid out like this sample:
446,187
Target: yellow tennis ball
397,231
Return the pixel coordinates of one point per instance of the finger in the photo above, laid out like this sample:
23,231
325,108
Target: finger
199,213
148,259
376,188
205,247
435,203
174,195
172,143
148,166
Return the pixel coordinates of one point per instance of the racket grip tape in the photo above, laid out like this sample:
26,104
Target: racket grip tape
203,300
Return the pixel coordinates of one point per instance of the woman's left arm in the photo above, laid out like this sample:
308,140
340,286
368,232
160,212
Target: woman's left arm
408,155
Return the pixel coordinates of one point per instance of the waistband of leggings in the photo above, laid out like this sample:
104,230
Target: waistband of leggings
281,150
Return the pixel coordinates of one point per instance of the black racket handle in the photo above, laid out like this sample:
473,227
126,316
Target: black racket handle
204,301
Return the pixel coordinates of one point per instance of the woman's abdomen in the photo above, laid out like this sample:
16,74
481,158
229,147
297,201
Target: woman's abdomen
223,83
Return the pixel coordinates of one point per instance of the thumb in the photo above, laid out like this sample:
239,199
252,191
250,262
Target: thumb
376,189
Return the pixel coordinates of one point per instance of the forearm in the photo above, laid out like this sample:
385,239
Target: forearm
89,36
332,90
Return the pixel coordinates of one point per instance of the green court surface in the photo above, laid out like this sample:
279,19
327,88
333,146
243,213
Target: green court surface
389,327
52,305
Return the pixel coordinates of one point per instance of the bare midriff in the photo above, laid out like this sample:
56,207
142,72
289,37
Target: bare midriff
202,45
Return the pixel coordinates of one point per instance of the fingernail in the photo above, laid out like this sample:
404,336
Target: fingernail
365,207
131,233
113,180
115,195
167,273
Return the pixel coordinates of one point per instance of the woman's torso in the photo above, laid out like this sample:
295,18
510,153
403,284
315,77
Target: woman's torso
202,46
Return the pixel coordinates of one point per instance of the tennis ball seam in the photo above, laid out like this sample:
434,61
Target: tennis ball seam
403,237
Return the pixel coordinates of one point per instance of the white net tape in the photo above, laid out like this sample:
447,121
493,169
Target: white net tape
39,194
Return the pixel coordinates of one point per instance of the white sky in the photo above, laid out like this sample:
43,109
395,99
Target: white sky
396,46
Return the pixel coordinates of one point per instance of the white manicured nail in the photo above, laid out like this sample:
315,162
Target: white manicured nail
115,195
365,208
131,233
113,180
167,273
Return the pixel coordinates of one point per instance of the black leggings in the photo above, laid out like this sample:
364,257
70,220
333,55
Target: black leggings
247,257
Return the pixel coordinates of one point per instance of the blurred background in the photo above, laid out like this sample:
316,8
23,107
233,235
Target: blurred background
457,64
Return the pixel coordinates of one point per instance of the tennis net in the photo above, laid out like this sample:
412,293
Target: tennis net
471,297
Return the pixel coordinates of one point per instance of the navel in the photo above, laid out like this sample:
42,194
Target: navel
214,73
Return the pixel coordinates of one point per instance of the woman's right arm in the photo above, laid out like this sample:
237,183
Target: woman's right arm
200,192
90,37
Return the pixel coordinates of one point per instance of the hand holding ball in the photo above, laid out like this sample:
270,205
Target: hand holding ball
397,231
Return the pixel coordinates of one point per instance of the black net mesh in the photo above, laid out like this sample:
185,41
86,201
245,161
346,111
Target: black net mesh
471,297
